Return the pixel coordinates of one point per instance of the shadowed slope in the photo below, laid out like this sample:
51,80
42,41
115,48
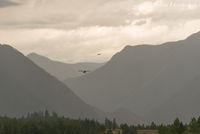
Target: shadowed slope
141,78
24,87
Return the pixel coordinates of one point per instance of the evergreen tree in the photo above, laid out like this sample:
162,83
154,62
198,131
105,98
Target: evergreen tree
114,124
178,127
194,127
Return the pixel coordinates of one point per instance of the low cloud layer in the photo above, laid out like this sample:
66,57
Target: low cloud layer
76,30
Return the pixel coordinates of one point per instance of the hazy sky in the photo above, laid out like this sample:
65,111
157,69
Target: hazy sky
76,30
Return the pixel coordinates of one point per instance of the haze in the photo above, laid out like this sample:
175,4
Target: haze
76,30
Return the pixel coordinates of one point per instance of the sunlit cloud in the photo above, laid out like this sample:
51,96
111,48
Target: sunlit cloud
76,30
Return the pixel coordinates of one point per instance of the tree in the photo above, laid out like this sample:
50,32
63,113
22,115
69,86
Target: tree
125,128
153,126
178,127
108,124
46,113
114,124
194,126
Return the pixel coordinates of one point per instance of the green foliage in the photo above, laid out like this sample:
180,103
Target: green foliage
114,124
47,123
194,126
44,123
111,124
128,129
179,128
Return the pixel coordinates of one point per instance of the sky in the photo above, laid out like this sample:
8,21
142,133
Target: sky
77,30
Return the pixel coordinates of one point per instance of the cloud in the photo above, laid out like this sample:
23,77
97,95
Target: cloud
76,30
6,3
140,22
68,14
83,44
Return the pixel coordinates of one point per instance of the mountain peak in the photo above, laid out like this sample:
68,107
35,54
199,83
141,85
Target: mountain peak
194,36
5,46
128,47
27,88
142,77
33,54
8,50
35,57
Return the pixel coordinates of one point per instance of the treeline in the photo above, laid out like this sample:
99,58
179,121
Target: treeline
45,123
51,123
179,128
126,129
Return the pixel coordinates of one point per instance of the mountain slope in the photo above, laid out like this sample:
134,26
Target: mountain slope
141,78
183,104
61,70
24,87
126,116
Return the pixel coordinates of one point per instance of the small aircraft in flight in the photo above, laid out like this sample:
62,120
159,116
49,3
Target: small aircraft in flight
84,71
99,54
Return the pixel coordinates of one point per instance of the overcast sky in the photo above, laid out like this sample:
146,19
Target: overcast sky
76,30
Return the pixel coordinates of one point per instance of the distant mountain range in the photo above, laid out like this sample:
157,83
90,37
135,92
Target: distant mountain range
25,87
156,81
61,70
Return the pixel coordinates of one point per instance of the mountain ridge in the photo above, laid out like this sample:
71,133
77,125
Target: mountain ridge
62,70
142,77
26,88
22,79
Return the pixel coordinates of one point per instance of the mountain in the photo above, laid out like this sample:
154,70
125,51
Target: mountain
124,115
24,87
61,70
141,78
183,104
